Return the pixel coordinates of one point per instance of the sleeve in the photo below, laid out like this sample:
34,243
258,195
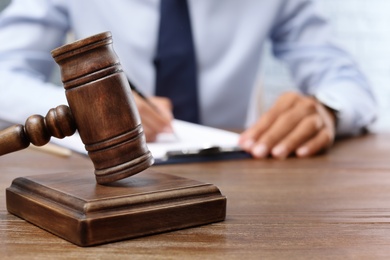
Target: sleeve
29,30
301,38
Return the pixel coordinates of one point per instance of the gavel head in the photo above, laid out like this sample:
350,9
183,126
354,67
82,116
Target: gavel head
103,107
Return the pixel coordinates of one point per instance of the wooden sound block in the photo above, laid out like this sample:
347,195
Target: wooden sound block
74,207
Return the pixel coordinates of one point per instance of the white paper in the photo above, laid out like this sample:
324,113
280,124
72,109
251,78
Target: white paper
186,136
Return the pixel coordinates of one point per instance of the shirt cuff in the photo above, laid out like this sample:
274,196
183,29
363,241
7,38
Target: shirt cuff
355,106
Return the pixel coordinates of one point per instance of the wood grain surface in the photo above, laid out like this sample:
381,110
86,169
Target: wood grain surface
333,206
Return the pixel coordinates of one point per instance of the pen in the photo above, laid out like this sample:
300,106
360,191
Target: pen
52,149
139,93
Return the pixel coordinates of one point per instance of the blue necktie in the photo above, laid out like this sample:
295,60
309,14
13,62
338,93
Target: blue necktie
176,76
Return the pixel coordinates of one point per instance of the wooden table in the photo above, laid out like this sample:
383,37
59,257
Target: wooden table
335,205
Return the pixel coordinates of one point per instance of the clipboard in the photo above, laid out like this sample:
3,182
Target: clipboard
210,154
195,143
188,143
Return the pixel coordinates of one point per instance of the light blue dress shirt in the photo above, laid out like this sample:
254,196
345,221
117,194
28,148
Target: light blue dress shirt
229,37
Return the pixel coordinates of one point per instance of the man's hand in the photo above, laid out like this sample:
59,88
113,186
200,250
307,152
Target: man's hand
156,118
295,123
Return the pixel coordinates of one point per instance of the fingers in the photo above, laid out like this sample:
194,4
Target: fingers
295,124
320,142
325,137
249,137
156,116
164,106
308,138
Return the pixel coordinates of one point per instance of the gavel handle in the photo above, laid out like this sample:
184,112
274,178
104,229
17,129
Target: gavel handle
13,139
38,130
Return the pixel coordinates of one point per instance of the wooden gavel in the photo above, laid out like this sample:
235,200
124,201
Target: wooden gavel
101,108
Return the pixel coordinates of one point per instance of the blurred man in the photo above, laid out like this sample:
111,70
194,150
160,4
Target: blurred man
227,38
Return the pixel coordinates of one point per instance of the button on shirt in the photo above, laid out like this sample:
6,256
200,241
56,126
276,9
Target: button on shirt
228,35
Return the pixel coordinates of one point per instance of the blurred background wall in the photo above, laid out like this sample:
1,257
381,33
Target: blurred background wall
363,28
